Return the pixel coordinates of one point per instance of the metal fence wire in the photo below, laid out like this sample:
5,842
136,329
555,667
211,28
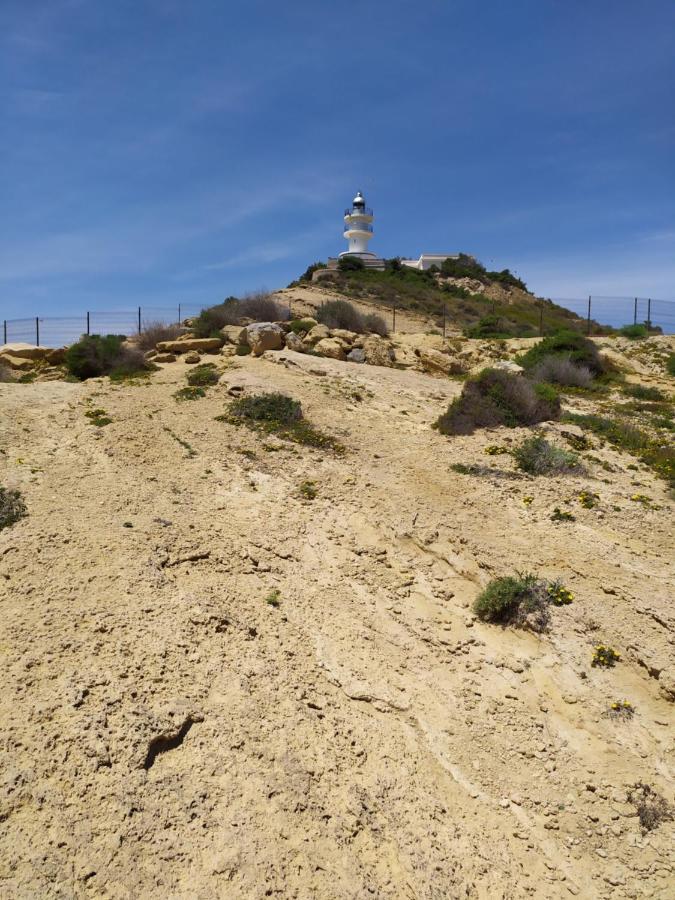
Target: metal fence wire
57,331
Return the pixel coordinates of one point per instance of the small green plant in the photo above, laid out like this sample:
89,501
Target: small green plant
651,807
191,452
203,375
620,709
588,499
189,393
95,355
559,594
280,415
273,598
301,326
537,457
571,345
27,378
521,600
308,490
604,657
495,450
12,507
560,515
242,350
641,498
98,417
634,332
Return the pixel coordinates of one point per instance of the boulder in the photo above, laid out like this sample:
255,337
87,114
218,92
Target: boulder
24,351
294,342
435,361
507,366
150,354
667,683
262,336
186,343
233,334
192,357
378,351
170,357
55,355
330,347
16,362
344,335
357,355
316,334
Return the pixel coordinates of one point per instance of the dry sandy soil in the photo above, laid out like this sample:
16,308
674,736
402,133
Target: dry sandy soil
167,733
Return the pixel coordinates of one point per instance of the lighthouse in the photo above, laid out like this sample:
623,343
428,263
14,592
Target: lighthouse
358,228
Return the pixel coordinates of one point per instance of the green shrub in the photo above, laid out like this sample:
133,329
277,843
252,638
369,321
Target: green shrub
301,326
350,264
12,507
98,417
521,600
308,490
536,456
95,355
620,435
634,332
209,321
242,350
189,393
310,270
496,397
261,307
569,344
341,314
562,370
642,392
489,327
203,375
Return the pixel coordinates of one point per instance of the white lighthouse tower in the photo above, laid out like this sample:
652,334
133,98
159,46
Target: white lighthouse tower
358,229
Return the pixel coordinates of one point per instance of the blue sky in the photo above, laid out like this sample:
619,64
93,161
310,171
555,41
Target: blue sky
158,150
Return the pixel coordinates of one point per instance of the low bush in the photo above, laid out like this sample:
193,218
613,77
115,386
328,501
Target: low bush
280,415
341,314
651,807
642,392
98,417
350,264
12,507
562,370
623,436
496,397
189,393
634,332
521,600
490,327
301,326
95,355
375,324
209,321
571,345
203,375
604,657
242,350
538,457
154,332
261,308
561,515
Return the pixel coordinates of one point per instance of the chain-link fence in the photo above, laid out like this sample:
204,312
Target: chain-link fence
57,331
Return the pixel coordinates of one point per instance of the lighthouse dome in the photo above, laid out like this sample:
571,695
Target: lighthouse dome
359,199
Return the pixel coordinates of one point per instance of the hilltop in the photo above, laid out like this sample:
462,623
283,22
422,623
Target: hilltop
246,662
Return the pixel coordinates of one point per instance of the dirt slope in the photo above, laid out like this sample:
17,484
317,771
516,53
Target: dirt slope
166,732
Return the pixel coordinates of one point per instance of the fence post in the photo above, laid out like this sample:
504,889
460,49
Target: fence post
179,313
4,328
588,322
88,323
649,312
541,320
139,320
393,327
37,331
444,317
635,312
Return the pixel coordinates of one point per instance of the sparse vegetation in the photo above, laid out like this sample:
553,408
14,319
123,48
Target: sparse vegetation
634,332
341,314
350,264
564,371
643,392
98,417
12,507
375,324
651,807
301,326
242,350
538,457
588,499
521,600
189,393
496,397
670,364
95,355
604,657
191,452
308,490
559,594
154,332
260,307
621,709
568,345
280,415
273,598
560,515
203,375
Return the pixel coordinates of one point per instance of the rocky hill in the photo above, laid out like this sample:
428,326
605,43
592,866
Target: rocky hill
237,664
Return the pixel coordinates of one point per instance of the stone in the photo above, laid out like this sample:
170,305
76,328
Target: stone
378,351
187,343
344,335
316,334
294,342
192,357
234,334
55,356
16,362
24,351
357,355
667,683
330,347
170,357
150,354
262,336
507,366
435,361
